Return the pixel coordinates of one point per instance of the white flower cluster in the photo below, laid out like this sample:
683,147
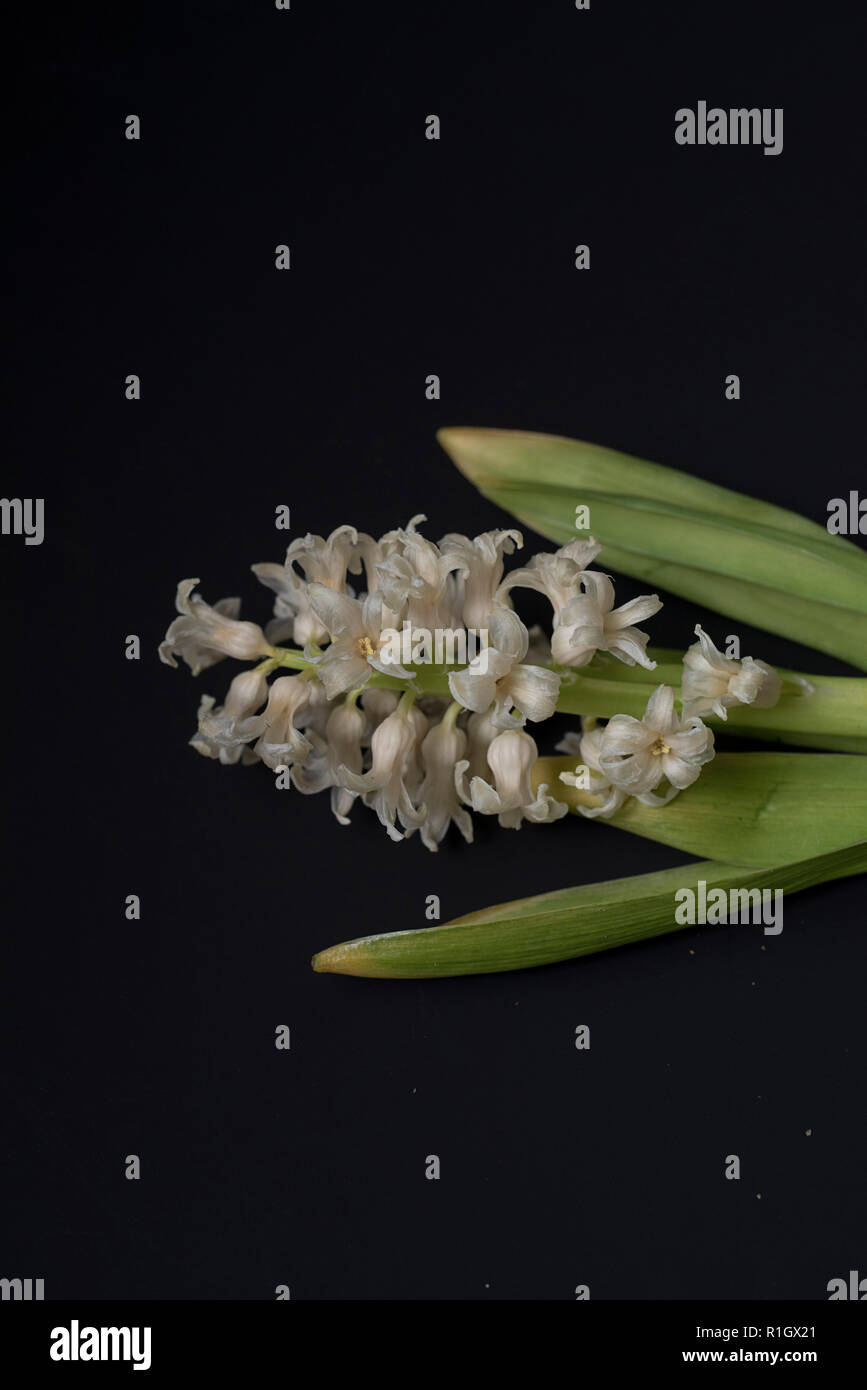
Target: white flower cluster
356,721
632,757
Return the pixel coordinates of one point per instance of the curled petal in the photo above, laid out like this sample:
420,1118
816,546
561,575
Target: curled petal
203,635
628,645
624,735
338,612
635,611
507,634
533,690
659,714
599,588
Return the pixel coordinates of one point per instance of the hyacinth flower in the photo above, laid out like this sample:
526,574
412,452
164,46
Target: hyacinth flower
429,742
407,765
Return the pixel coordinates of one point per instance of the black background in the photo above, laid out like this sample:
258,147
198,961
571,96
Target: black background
306,388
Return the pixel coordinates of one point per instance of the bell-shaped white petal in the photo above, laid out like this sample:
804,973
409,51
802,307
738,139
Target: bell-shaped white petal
590,623
557,575
324,562
378,705
340,749
444,746
511,757
585,748
475,687
415,575
225,729
280,743
395,767
637,754
294,619
203,635
532,690
497,677
481,730
359,631
713,682
483,570
327,561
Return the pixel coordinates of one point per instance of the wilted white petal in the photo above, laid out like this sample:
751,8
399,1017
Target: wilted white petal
358,628
379,704
481,729
203,635
713,682
533,690
482,560
579,633
586,747
280,744
624,735
327,561
635,611
474,689
224,729
635,755
342,749
415,573
511,757
337,611
441,750
507,634
489,677
395,761
629,644
556,575
590,623
313,717
294,618
659,714
771,686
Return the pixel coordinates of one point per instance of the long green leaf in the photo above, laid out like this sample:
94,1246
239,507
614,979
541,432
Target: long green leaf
748,808
568,923
753,561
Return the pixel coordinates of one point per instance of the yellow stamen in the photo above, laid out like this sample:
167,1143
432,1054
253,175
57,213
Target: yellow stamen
660,747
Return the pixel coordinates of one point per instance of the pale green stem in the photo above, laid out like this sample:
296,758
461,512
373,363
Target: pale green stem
451,715
816,711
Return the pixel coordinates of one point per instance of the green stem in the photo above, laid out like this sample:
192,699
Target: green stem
831,714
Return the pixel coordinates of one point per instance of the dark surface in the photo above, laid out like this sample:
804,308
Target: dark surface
306,1167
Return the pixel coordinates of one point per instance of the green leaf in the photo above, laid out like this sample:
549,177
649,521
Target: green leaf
753,561
567,923
747,808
